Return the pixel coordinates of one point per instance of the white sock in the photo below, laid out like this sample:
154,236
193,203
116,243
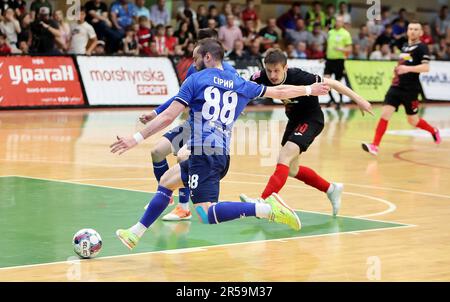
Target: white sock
262,210
330,189
138,229
184,206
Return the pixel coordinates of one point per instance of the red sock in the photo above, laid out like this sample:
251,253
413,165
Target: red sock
311,178
276,181
381,129
422,124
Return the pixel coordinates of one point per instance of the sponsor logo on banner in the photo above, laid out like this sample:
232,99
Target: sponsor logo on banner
436,83
128,80
370,79
39,81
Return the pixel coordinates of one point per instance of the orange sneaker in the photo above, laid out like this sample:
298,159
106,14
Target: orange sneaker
178,214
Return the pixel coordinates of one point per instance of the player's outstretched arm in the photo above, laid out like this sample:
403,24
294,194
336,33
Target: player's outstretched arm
364,105
291,91
163,120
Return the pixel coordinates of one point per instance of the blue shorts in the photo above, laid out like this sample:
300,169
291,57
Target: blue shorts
202,175
179,136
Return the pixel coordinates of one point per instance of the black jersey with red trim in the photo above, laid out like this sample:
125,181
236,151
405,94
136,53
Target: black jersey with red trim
411,55
298,107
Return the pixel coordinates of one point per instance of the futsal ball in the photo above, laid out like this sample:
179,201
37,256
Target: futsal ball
87,243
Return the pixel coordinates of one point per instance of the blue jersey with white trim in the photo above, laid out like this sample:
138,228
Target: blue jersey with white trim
191,70
216,98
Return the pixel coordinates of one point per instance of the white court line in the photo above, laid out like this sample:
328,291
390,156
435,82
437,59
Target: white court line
70,262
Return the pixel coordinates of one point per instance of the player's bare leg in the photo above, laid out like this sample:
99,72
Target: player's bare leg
386,115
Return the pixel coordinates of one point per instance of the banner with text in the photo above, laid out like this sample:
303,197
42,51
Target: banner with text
39,81
128,80
436,83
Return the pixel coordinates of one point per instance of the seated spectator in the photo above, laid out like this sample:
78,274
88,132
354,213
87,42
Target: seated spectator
19,7
36,6
202,16
288,20
44,33
401,16
382,54
212,24
123,14
318,37
24,47
441,50
375,28
238,53
213,13
300,51
399,32
315,51
11,28
160,39
249,32
229,33
153,49
330,19
130,42
227,10
385,16
25,32
441,23
141,10
249,13
159,13
64,28
290,52
83,39
186,13
254,50
269,35
315,15
386,37
99,49
344,13
5,49
183,35
171,40
362,44
237,13
300,34
144,35
427,38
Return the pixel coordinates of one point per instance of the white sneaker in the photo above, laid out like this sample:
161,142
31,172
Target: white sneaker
335,197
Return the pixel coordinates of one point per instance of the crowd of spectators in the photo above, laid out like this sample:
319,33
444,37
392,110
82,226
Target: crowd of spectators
128,27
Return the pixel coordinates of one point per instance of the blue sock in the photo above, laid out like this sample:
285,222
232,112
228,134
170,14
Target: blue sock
225,211
160,168
157,205
183,195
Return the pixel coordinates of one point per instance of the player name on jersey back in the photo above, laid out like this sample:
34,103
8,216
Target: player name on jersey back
225,83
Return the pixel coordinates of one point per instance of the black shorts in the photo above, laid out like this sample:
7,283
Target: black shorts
409,98
302,132
335,67
179,136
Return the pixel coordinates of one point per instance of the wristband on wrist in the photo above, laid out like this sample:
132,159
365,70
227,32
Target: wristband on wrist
308,90
138,137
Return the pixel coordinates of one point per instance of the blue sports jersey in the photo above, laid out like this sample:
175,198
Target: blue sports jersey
191,70
216,98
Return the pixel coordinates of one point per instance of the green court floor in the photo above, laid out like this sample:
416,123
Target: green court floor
39,218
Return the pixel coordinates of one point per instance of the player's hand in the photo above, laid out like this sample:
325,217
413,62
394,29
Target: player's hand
319,89
401,69
145,118
123,144
365,106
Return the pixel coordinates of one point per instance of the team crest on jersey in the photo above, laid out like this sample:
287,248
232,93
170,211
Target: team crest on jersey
406,57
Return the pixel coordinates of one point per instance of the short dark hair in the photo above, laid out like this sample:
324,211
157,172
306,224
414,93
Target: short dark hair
205,33
212,46
415,21
275,56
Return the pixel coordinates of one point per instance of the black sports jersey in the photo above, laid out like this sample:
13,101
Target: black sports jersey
298,107
411,55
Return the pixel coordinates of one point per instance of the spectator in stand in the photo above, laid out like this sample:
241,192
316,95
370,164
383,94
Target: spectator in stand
24,47
187,14
441,23
123,14
229,33
386,37
315,15
300,34
401,16
344,13
254,50
382,53
183,35
318,37
153,49
249,13
19,7
399,32
238,53
202,16
269,35
44,32
213,13
11,28
159,13
288,19
4,47
330,19
160,39
212,24
36,6
441,50
385,16
83,39
130,43
171,40
315,51
227,10
237,13
249,32
141,10
362,44
64,28
99,49
375,28
144,35
427,37
25,32
290,52
301,50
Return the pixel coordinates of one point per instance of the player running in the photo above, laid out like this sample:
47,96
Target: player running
216,98
405,88
305,123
